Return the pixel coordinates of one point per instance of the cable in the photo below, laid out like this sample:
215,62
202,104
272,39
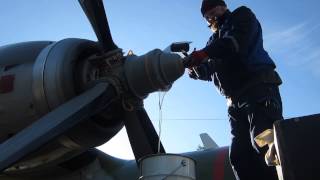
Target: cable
202,119
194,119
160,116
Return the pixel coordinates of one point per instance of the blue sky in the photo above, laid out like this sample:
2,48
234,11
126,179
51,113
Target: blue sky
291,35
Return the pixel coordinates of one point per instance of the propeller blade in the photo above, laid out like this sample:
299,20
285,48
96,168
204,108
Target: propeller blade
142,135
94,11
55,123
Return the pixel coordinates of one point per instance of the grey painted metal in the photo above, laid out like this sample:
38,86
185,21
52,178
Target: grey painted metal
171,67
53,75
167,167
39,95
119,169
17,107
18,100
153,71
63,67
21,53
99,168
42,159
52,125
207,141
60,67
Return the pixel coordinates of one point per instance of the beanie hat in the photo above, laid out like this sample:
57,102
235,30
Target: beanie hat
208,4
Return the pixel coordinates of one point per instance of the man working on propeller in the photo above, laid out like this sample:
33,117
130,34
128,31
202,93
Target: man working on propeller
234,58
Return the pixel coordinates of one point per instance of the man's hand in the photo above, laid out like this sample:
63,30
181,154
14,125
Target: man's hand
192,74
195,58
201,72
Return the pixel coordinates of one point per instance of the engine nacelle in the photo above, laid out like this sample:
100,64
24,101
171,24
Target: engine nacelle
37,77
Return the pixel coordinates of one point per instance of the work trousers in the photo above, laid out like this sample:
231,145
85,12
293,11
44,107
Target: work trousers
249,115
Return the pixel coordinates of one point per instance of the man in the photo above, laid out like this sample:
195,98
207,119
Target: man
234,58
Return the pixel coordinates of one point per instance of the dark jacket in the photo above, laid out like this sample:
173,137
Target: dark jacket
236,52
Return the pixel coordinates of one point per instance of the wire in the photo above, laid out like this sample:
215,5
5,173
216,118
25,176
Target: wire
194,119
160,116
201,119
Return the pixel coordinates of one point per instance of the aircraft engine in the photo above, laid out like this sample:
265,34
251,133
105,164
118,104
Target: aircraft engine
37,77
74,94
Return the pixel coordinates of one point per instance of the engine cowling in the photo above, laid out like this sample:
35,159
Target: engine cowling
37,77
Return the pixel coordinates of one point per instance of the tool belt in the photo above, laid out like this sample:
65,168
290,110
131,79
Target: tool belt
268,77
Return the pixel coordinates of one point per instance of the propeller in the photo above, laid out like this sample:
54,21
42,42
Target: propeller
55,123
94,11
142,135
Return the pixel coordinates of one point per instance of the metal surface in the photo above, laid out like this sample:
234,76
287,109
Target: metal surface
19,99
21,53
59,72
208,142
111,168
212,164
17,61
39,94
56,80
52,125
157,71
167,166
297,145
28,100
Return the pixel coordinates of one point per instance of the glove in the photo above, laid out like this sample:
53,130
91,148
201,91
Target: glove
192,74
201,72
196,58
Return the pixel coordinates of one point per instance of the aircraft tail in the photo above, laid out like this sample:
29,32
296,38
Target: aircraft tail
208,142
